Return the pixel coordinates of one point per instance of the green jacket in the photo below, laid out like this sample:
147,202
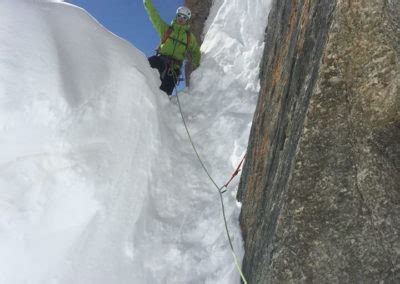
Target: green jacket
175,45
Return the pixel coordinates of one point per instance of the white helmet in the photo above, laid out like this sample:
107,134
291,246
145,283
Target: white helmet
184,11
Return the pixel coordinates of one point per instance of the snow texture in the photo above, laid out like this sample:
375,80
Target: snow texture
98,181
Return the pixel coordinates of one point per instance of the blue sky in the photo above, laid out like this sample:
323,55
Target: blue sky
129,20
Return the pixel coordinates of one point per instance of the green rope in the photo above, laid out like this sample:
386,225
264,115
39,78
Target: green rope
213,181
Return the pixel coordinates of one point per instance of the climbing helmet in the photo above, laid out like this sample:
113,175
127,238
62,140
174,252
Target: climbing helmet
184,12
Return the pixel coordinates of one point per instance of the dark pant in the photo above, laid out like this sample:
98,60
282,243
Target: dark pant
168,75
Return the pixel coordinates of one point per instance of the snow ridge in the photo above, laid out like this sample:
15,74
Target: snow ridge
98,182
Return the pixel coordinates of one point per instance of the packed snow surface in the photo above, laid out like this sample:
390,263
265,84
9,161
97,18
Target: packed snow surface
98,181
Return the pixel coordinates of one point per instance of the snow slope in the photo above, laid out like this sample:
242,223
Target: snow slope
98,182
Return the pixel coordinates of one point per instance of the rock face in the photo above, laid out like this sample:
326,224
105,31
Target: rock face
321,184
200,10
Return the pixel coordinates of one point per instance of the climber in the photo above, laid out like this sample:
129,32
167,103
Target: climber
177,43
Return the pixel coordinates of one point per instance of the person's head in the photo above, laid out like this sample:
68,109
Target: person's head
183,15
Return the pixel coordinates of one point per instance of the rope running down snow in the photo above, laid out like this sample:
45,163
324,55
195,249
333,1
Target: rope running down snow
212,180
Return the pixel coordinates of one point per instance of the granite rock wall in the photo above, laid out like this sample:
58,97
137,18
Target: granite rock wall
320,188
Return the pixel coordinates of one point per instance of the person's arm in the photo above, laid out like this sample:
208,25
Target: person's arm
194,52
155,18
